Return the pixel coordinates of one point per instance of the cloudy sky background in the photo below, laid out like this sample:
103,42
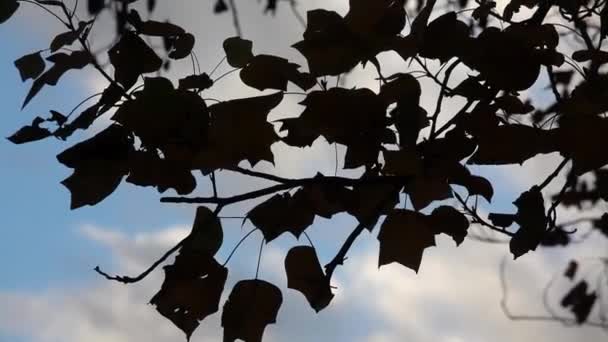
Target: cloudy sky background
49,293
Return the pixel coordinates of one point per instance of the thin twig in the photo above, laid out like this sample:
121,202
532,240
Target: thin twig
235,18
144,274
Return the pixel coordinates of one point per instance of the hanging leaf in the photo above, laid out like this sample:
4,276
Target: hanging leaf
68,38
200,82
282,213
175,121
251,306
447,220
304,274
30,66
192,289
132,57
7,9
239,130
271,72
403,237
62,63
238,51
99,165
30,133
148,169
182,46
444,38
220,7
207,234
532,222
330,48
345,116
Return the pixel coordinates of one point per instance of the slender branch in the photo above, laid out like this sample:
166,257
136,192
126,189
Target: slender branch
478,218
289,184
144,274
442,91
237,245
452,120
554,174
297,14
341,255
45,9
235,18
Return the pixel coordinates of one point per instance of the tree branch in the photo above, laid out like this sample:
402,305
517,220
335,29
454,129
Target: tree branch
144,274
288,184
341,255
478,218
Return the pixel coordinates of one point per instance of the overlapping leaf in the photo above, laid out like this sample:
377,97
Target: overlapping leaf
195,281
239,130
251,306
99,164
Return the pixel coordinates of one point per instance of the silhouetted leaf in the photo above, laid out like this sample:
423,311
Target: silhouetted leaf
200,82
30,66
182,46
271,72
366,212
511,144
220,7
506,59
330,48
207,234
239,130
192,289
345,116
447,220
403,237
251,306
67,38
148,169
304,274
513,105
83,121
176,121
132,57
155,28
99,165
401,87
7,9
238,51
501,220
61,64
579,302
532,222
280,214
444,38
30,133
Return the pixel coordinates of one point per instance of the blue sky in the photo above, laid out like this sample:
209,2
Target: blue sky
48,251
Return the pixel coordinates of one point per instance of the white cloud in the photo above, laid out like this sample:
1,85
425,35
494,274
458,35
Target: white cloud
455,297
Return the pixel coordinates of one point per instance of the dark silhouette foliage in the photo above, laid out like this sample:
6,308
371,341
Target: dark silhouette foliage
161,134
